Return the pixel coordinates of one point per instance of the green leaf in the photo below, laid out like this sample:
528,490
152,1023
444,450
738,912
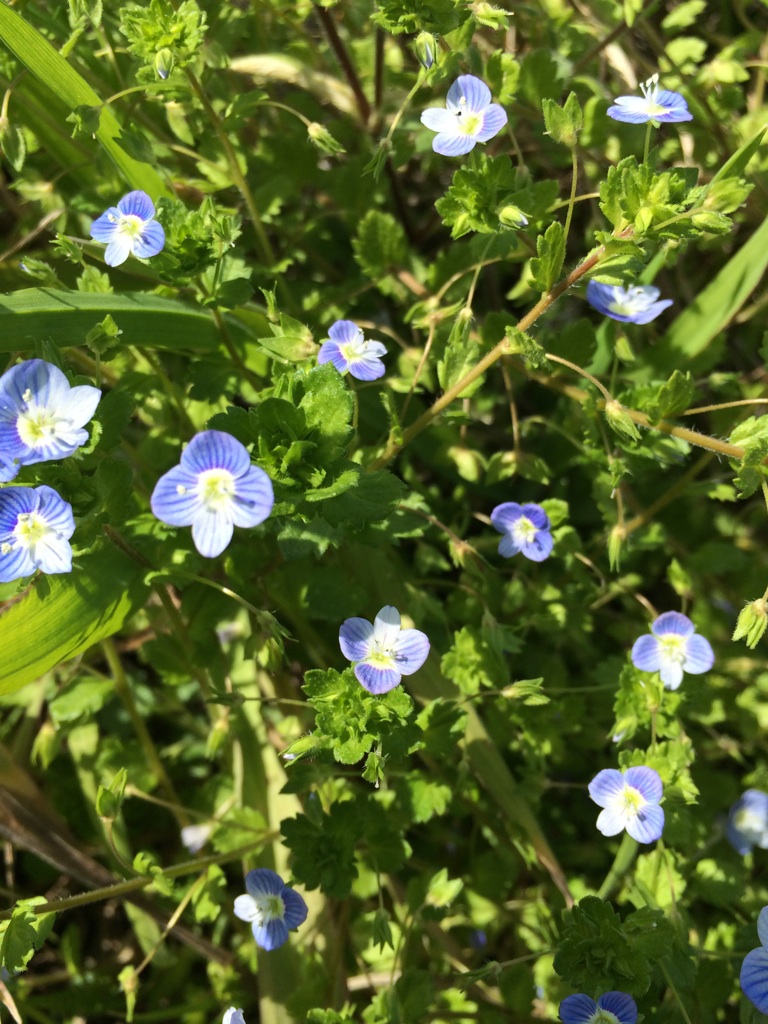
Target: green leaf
550,247
207,901
673,397
735,165
47,64
715,307
33,313
563,124
23,934
13,144
240,827
323,848
380,247
59,617
371,501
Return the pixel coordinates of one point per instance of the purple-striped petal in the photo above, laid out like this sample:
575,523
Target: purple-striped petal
386,627
214,449
754,978
577,1009
647,825
411,649
622,1006
494,119
646,653
264,882
211,532
343,332
355,638
762,926
476,94
118,250
367,367
105,226
453,145
377,679
254,498
673,622
508,546
537,516
175,499
149,241
699,656
503,516
137,204
539,547
330,353
646,781
606,785
295,908
270,935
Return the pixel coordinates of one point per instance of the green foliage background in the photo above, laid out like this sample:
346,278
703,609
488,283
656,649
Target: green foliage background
442,834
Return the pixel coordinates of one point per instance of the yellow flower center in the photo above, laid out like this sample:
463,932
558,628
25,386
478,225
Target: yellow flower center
30,529
216,488
37,427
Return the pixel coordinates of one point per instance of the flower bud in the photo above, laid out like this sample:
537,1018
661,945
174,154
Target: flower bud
322,138
620,420
164,63
425,48
752,622
511,216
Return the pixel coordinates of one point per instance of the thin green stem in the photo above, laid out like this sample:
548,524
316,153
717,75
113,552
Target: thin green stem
584,373
572,197
625,856
238,177
124,888
405,104
647,147
675,993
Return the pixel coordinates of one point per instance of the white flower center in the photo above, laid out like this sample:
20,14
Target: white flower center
30,530
468,123
38,426
268,907
629,301
523,530
650,90
673,648
216,489
129,224
603,1017
355,349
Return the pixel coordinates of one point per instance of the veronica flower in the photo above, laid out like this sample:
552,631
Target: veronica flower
348,350
526,530
634,305
468,117
41,416
748,822
631,801
654,105
129,227
271,907
194,837
383,651
610,1008
754,969
35,527
233,1016
213,490
673,648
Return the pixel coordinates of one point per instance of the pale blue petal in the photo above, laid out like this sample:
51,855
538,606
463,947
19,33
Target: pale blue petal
270,935
475,92
754,978
52,554
56,512
494,119
105,226
647,315
137,204
453,145
505,515
78,404
670,670
15,565
632,109
214,449
375,679
578,1009
386,626
367,367
438,119
330,353
254,498
537,516
211,532
118,250
606,785
600,295
343,331
150,241
233,1016
9,469
264,882
646,653
15,501
699,656
646,781
295,908
46,383
411,648
355,638
169,505
622,1006
245,907
539,547
610,821
762,926
508,546
647,825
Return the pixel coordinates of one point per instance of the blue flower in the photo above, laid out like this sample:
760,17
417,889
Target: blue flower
654,105
631,801
754,969
673,648
349,350
470,117
233,1016
271,908
129,227
634,305
383,651
213,490
526,530
35,527
41,416
748,822
610,1008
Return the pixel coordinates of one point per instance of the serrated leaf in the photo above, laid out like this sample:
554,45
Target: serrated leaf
545,269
